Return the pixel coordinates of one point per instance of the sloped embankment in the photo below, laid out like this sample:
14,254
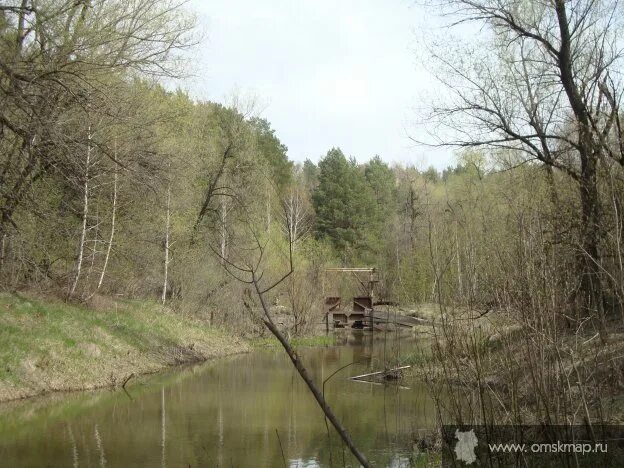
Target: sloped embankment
48,345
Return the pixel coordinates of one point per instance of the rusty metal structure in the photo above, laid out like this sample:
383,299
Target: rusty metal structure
358,312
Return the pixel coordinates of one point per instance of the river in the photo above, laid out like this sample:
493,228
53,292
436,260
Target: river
250,410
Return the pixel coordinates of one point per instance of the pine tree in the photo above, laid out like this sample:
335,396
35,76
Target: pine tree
343,202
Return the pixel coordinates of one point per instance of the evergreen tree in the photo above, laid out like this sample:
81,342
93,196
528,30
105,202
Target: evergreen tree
383,211
310,175
343,202
273,151
381,180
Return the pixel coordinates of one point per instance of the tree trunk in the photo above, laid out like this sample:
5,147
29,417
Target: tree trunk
166,265
85,215
589,257
303,372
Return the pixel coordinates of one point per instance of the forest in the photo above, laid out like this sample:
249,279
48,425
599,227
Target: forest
114,183
122,187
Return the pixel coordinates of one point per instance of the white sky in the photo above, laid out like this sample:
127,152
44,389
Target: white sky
326,73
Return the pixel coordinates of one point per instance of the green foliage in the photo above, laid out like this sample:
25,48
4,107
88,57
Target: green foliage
356,207
273,151
343,203
310,173
382,213
431,174
381,179
184,179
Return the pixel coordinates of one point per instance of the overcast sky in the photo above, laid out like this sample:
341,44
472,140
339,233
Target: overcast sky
325,73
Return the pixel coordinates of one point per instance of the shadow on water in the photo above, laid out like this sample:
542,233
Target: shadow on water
249,410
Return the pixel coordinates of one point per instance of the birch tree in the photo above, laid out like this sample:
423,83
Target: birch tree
296,214
57,56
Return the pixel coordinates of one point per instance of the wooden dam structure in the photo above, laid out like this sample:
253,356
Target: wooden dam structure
360,311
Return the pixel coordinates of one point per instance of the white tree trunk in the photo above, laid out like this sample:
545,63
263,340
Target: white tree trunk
295,216
85,215
94,249
167,223
112,232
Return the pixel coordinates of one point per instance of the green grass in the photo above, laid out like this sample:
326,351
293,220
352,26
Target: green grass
70,343
47,344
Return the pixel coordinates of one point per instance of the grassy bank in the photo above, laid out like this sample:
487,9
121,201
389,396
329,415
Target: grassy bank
47,345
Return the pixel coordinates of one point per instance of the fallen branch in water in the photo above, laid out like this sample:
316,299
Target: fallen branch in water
303,372
385,372
123,385
372,382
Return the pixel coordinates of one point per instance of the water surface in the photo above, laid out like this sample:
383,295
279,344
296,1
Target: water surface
250,410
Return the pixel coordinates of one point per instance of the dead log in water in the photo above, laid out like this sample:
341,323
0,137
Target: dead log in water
388,374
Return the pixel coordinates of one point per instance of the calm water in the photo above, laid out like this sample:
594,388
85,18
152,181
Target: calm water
225,413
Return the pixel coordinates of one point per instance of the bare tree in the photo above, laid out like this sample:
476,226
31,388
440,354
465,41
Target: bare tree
246,264
85,213
548,87
296,217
